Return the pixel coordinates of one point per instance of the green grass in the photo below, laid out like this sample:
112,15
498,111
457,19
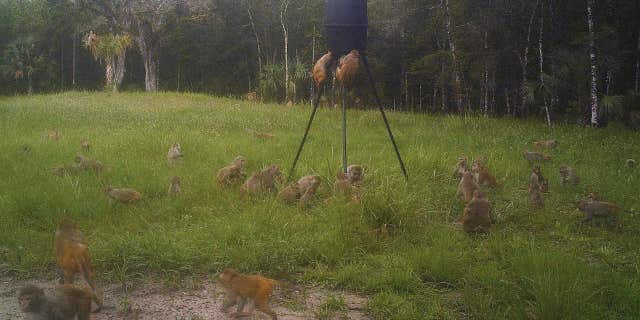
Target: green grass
533,265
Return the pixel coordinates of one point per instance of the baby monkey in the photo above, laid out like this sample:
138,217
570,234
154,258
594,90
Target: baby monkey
302,190
599,209
86,163
568,175
124,195
174,187
67,302
348,68
320,70
539,179
241,288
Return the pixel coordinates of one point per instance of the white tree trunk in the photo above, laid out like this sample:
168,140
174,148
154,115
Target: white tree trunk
452,49
638,64
541,61
485,79
283,13
525,61
255,34
119,70
594,67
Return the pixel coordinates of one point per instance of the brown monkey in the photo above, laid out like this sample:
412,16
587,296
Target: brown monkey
66,170
538,179
535,196
482,175
320,70
261,135
53,135
66,303
631,163
174,153
532,156
241,288
86,163
355,175
551,144
348,68
476,217
232,173
261,181
568,175
85,145
252,96
174,187
124,195
342,184
290,194
593,208
466,187
461,167
308,187
72,254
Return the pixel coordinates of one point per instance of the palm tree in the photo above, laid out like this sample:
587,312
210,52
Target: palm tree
107,49
21,60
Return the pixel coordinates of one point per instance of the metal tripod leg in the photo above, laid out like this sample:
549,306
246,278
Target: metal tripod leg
306,132
384,116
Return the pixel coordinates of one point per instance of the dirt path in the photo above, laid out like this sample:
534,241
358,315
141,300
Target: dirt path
151,300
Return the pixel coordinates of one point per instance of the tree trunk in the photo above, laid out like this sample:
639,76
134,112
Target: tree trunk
541,61
283,12
485,79
148,50
108,73
594,67
119,70
452,48
313,60
525,62
62,65
75,37
255,34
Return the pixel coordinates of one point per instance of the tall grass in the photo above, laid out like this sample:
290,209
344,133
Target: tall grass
400,246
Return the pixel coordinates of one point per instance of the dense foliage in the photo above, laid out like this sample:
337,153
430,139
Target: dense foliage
518,57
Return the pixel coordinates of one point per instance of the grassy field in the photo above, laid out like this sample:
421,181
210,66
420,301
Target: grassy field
533,265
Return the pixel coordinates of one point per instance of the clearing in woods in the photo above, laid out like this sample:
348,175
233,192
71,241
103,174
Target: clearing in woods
400,248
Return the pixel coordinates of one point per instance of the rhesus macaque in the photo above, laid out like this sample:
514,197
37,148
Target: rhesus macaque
532,156
461,167
342,184
290,194
85,145
53,135
355,175
261,135
241,288
308,187
124,195
482,175
174,187
72,255
232,173
601,209
539,179
631,163
535,196
348,68
174,153
551,144
466,187
252,96
261,181
66,169
66,303
568,175
320,70
476,217
86,163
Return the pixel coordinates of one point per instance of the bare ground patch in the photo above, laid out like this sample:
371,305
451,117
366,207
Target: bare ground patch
192,300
